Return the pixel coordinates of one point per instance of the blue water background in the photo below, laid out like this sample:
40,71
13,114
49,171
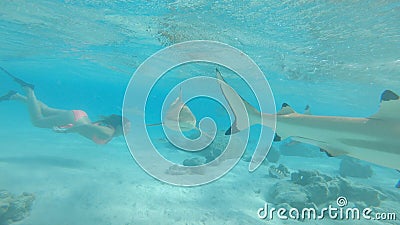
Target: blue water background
337,57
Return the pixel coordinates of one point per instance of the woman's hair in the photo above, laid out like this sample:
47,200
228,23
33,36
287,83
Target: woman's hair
114,120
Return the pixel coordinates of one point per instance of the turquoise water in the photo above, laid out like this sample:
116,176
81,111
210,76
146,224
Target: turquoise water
337,57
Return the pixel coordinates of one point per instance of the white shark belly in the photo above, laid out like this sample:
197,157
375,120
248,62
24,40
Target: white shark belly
376,156
360,138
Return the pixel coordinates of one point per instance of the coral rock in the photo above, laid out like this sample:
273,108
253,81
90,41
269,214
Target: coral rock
308,188
14,208
287,192
352,168
193,162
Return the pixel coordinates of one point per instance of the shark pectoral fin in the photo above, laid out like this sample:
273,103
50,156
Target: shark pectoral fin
389,108
277,138
326,152
280,136
324,147
332,152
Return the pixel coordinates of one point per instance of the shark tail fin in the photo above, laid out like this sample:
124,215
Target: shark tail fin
232,130
254,118
234,100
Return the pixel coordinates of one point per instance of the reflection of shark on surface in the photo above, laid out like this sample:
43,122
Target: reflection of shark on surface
375,139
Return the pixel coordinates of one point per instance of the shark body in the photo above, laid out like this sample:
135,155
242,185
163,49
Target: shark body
178,116
374,139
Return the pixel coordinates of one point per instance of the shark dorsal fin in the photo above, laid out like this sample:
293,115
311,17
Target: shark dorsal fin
389,108
307,110
389,95
286,109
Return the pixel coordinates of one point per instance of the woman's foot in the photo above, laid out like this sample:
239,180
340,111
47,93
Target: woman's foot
23,83
7,96
19,81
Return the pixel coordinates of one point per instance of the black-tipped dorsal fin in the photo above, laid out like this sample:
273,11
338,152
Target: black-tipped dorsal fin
389,95
307,110
286,109
389,108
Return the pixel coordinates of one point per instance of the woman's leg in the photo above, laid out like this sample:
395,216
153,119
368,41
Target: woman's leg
42,115
35,111
45,109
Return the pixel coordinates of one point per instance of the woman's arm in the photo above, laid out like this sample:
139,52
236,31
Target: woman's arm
89,131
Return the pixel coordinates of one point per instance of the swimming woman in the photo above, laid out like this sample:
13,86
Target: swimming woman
67,121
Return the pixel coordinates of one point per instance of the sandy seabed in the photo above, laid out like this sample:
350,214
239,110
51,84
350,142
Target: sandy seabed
77,182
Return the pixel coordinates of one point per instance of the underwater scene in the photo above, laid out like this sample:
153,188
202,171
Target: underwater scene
199,112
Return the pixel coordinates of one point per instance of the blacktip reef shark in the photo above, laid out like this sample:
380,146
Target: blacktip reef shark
178,116
374,139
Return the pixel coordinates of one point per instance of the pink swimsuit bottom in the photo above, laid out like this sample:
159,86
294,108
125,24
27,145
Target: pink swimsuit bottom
77,115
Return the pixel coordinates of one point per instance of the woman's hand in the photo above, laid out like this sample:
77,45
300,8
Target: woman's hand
60,130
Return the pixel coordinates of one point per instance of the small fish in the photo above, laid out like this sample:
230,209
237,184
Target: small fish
279,172
398,184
